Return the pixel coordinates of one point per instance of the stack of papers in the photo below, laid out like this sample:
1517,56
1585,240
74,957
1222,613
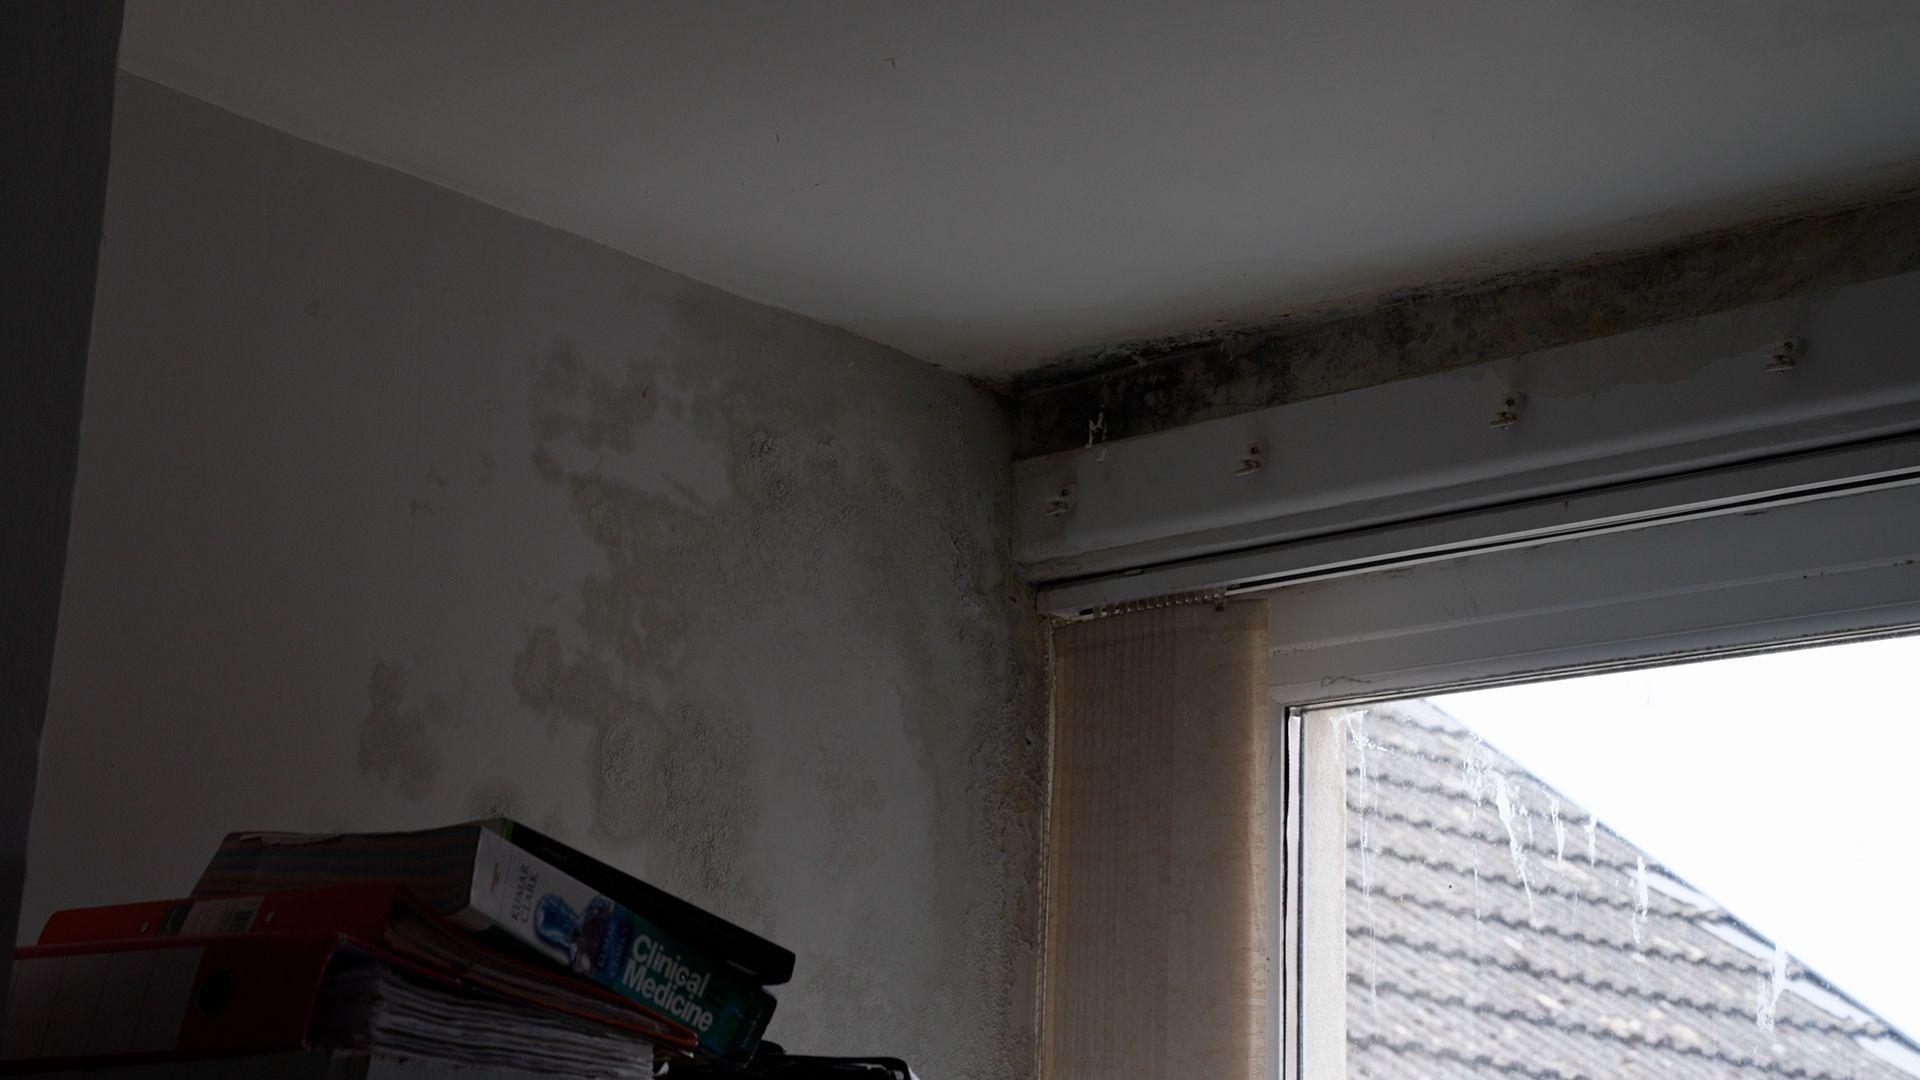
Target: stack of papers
367,1004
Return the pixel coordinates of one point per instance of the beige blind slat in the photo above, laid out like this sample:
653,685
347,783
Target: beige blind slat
1158,854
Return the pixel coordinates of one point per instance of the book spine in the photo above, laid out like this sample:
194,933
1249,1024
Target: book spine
360,911
617,948
764,962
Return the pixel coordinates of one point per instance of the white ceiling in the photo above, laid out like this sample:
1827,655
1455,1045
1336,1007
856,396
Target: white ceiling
993,184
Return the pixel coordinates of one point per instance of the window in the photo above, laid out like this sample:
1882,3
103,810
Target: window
1389,678
1665,499
1632,874
1829,566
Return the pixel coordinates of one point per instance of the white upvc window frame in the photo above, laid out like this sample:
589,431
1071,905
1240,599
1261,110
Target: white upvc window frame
1663,496
1808,570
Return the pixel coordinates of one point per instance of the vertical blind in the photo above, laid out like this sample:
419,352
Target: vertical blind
1158,857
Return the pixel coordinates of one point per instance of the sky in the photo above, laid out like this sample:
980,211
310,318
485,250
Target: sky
1786,786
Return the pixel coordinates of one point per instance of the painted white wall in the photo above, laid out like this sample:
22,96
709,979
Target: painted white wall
56,119
394,509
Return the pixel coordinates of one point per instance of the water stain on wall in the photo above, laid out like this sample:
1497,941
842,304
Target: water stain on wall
496,796
820,535
396,735
871,547
756,571
615,410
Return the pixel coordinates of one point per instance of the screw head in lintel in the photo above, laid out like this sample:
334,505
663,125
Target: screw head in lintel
1784,356
1060,502
1508,414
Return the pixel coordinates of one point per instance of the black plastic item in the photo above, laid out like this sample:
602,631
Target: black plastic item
773,1063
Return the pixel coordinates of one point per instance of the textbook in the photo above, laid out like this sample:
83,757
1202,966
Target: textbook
383,914
197,996
611,929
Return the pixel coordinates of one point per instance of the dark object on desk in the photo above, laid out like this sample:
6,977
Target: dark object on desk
773,1063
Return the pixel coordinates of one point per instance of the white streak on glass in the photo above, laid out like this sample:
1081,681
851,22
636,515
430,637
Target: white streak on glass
1473,775
1767,994
1357,736
1559,832
1503,804
1593,833
1639,898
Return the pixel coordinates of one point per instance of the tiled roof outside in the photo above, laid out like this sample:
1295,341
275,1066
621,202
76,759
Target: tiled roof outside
1495,929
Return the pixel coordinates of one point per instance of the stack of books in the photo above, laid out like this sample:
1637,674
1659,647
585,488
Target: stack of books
483,944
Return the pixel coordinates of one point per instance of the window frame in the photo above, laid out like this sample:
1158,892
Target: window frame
1805,568
1614,432
1659,496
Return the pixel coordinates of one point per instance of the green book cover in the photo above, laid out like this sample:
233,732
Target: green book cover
617,948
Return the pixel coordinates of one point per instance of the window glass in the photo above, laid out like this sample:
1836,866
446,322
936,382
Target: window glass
1690,870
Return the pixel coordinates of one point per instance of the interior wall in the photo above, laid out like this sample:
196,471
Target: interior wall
394,509
56,112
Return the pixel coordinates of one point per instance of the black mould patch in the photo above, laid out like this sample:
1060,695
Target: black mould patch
1154,386
883,563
